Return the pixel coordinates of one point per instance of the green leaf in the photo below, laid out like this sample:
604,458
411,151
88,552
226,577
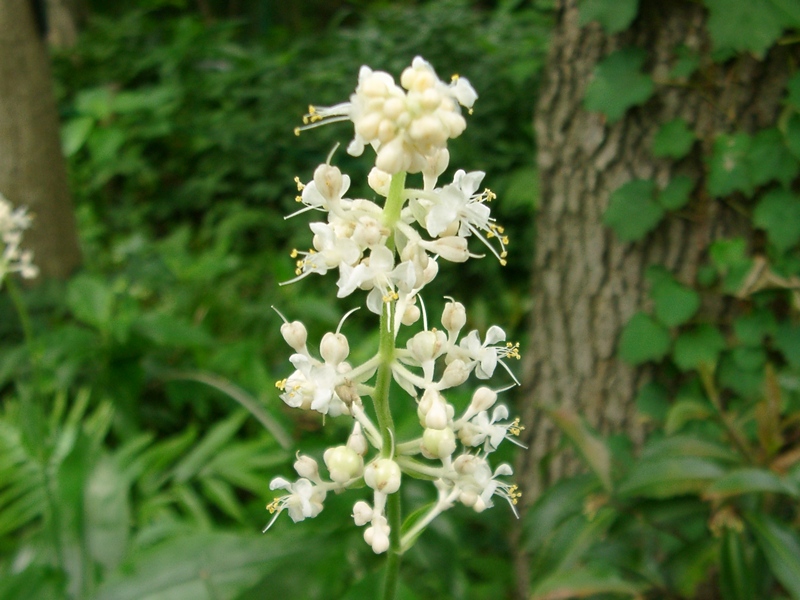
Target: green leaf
751,329
770,159
787,339
618,84
684,411
699,346
793,91
613,17
673,140
748,481
674,303
730,258
688,446
652,401
781,548
743,25
170,331
736,576
107,513
632,211
669,477
677,192
74,134
201,566
91,300
729,166
686,63
583,582
591,446
209,446
643,340
793,134
778,213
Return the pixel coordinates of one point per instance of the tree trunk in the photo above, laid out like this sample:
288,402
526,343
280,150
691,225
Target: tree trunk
32,168
586,283
64,21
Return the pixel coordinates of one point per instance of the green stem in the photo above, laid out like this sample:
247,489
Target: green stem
394,205
386,352
22,312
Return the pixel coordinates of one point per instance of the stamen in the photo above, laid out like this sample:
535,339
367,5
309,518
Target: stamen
347,314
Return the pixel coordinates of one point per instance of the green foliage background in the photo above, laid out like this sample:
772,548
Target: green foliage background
140,426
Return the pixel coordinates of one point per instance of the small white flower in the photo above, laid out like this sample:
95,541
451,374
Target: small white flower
486,355
477,484
303,501
14,260
489,431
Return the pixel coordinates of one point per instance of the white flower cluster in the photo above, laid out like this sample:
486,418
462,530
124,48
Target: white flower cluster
14,260
392,251
407,126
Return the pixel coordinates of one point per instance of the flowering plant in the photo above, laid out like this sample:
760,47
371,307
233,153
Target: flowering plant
392,250
13,259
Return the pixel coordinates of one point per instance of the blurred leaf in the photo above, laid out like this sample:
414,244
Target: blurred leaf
752,328
172,332
732,261
736,577
729,166
771,159
652,401
748,481
200,566
612,17
632,212
583,582
90,300
107,512
728,21
589,444
778,213
618,84
643,340
35,581
674,303
669,477
212,443
787,339
74,134
688,446
673,140
781,548
677,193
698,346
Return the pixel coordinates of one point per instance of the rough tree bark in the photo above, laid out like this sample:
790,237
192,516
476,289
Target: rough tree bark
586,283
32,168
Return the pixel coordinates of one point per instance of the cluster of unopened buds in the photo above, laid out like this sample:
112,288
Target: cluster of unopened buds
13,222
392,250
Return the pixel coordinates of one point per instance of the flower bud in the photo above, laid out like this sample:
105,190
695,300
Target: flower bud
295,335
438,443
357,442
329,181
334,348
426,345
307,467
379,181
454,374
377,536
454,317
343,463
383,475
436,418
411,314
362,513
483,399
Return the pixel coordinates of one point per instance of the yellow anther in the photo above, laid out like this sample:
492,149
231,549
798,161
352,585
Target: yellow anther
515,428
504,239
300,184
503,262
311,109
274,506
503,254
297,131
298,198
490,234
281,384
469,111
294,253
454,77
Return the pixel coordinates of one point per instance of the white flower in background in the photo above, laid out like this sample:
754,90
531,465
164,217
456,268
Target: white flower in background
304,500
406,125
15,260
